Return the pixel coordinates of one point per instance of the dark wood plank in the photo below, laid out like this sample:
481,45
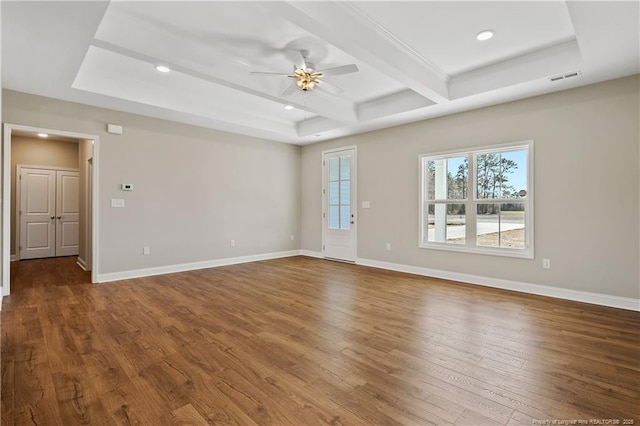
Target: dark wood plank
305,341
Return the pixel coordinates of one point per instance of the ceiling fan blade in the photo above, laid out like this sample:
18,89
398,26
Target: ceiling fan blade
344,69
328,87
268,73
290,90
305,55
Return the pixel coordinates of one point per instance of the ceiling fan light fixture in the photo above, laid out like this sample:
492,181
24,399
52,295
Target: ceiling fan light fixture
306,83
484,35
288,107
163,68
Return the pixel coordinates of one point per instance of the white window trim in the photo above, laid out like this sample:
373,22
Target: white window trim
470,219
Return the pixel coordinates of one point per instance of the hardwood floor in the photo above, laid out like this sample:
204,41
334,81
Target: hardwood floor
304,341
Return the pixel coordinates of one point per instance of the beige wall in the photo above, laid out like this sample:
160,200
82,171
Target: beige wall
195,189
586,188
37,152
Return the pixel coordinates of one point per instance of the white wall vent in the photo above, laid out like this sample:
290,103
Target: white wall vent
565,76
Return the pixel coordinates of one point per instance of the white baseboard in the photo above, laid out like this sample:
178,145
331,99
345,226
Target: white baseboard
159,270
13,258
81,263
310,253
541,290
522,287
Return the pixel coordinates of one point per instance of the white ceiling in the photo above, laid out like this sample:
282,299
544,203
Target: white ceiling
416,59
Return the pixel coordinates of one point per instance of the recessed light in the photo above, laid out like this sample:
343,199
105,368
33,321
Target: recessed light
43,135
163,68
484,35
288,107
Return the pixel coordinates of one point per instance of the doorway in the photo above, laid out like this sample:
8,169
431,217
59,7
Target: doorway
87,225
339,205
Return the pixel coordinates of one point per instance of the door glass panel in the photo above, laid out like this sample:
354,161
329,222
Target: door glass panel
345,192
345,168
345,217
334,217
334,194
333,169
339,192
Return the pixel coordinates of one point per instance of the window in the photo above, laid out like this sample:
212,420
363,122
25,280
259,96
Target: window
478,201
340,192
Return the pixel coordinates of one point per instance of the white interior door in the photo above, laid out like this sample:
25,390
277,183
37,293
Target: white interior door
339,239
67,213
37,213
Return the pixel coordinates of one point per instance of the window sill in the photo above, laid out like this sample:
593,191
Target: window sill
492,251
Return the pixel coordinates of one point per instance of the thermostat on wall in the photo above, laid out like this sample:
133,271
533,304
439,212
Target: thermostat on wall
126,187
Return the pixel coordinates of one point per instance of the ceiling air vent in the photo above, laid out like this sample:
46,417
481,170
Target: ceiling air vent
565,76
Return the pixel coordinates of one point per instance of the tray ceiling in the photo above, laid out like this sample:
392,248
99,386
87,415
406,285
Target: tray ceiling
416,60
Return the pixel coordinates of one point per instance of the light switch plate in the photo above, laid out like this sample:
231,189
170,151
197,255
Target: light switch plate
366,205
117,202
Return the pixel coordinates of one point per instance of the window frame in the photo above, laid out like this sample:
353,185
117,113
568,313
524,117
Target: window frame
472,201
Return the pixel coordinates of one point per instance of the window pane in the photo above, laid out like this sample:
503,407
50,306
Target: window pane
333,193
501,225
488,175
333,169
334,217
446,223
430,176
345,217
447,178
345,167
488,225
514,171
457,171
345,192
502,174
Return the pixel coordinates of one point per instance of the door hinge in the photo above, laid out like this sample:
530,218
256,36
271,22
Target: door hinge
323,216
324,191
323,247
323,163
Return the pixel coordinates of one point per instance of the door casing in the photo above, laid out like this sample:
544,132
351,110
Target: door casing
353,255
6,195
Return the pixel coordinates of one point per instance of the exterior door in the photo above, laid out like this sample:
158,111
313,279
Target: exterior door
37,213
339,240
67,213
49,215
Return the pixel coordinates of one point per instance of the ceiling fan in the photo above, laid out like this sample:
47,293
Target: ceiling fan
308,78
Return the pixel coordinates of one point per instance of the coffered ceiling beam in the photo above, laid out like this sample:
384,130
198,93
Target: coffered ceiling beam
343,25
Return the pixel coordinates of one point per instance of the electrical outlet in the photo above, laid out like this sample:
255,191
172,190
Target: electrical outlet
146,250
233,243
388,246
546,263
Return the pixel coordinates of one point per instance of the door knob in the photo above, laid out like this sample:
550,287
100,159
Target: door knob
59,217
352,222
53,217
